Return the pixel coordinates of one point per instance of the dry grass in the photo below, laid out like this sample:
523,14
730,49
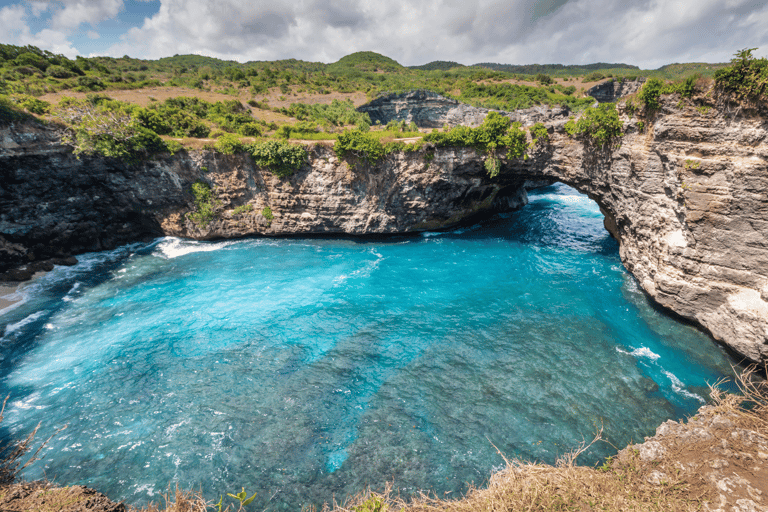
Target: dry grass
539,487
751,406
178,501
11,454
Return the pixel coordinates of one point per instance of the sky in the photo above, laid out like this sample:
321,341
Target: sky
646,33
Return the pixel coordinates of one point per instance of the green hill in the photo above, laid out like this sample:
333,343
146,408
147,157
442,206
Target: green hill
555,69
438,65
676,71
367,61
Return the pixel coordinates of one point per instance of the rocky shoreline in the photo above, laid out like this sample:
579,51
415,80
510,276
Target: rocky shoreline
683,193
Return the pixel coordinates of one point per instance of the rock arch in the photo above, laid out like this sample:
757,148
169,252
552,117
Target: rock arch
686,199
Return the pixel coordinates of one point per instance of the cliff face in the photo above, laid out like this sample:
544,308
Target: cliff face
612,90
430,110
54,204
686,199
425,108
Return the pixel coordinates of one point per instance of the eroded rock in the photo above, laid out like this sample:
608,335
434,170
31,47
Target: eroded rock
685,198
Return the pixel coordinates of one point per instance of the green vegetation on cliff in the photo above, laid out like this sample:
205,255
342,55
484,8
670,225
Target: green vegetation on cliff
32,71
496,132
228,100
598,126
281,158
747,77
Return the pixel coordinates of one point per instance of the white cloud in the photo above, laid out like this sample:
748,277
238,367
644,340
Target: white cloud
14,20
13,23
74,12
38,7
648,33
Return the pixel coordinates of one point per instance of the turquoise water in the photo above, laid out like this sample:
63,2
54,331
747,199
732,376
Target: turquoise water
311,368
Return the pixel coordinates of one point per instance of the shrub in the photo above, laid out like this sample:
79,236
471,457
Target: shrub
10,111
279,157
338,113
245,208
372,504
26,70
59,72
360,144
229,144
204,204
173,146
249,130
497,131
284,132
539,133
630,107
594,77
32,104
89,83
492,164
687,88
105,130
599,126
651,92
32,59
746,77
267,213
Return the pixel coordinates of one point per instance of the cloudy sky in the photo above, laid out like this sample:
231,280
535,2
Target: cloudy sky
648,33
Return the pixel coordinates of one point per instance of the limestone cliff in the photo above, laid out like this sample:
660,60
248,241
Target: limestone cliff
611,90
685,198
427,109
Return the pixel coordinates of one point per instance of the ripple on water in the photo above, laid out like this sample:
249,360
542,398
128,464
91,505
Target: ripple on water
308,369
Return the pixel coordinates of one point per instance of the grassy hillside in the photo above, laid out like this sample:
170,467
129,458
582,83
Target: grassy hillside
32,71
195,99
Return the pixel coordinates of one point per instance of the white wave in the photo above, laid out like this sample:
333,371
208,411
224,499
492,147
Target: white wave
172,247
145,488
365,271
69,296
429,234
11,328
559,198
86,263
679,388
641,352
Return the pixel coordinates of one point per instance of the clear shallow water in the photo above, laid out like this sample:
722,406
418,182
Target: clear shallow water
304,369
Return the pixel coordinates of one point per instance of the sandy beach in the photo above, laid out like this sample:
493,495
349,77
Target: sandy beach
5,290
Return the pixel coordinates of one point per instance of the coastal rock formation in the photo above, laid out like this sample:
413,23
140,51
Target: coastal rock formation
716,452
425,108
430,110
612,90
685,198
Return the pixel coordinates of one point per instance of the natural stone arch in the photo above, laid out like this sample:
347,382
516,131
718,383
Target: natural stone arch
686,200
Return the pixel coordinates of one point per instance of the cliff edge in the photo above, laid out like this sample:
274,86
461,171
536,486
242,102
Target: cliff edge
684,193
